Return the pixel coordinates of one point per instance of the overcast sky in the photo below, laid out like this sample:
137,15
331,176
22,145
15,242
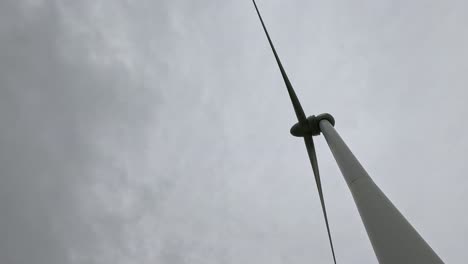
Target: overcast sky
158,131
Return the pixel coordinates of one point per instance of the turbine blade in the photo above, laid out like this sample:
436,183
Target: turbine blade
295,101
309,142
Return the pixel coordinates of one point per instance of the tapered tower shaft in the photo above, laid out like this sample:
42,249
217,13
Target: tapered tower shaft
393,238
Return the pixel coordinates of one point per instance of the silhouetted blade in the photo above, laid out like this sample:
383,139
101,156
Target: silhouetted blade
309,142
303,120
295,101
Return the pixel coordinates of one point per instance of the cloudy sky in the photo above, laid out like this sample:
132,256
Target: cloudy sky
158,131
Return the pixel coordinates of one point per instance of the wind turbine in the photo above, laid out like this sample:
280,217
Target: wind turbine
393,238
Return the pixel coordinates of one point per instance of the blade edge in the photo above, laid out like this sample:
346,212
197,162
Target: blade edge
309,142
292,94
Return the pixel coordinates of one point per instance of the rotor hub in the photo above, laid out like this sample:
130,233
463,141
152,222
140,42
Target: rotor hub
310,127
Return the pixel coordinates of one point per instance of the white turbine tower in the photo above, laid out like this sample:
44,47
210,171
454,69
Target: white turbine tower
393,238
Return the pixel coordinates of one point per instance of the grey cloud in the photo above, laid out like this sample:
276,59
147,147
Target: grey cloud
143,132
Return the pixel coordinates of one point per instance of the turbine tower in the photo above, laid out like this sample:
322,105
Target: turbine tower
393,238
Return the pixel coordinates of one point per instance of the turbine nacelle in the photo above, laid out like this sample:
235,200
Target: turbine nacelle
311,127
